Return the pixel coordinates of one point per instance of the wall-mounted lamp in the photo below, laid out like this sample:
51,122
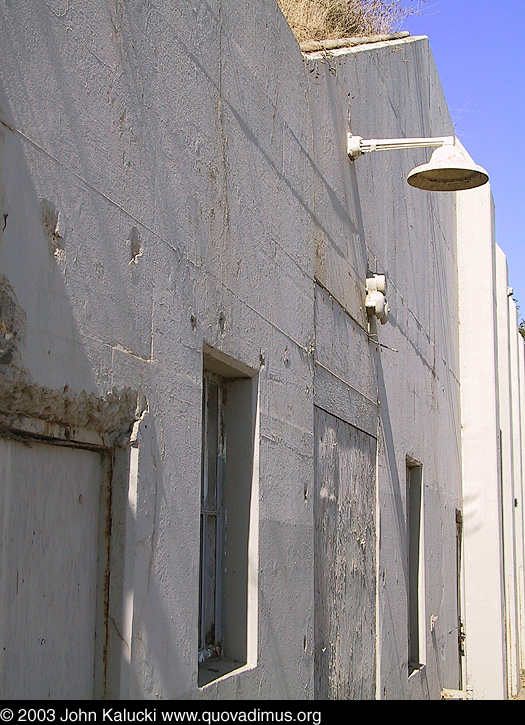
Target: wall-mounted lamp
449,168
376,304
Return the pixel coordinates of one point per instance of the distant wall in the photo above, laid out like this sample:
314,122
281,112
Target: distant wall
491,354
481,446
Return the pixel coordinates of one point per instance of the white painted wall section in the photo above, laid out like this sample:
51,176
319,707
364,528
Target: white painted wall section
483,541
505,327
517,372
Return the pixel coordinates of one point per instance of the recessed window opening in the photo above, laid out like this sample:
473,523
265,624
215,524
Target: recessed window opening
228,509
211,564
416,590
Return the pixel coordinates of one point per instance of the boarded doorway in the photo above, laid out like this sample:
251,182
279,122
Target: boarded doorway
345,556
53,510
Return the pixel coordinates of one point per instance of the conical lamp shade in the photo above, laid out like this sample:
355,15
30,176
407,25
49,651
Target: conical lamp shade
449,169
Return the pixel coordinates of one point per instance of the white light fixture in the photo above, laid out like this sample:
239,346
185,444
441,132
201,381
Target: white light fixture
449,168
376,304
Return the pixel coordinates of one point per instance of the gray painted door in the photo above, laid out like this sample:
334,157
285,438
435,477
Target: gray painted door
49,518
345,569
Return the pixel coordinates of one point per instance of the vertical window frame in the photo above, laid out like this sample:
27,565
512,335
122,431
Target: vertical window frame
211,611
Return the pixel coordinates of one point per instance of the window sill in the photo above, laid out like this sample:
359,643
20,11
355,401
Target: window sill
218,669
413,670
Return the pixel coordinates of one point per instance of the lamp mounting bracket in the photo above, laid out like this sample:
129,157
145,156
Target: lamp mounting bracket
357,145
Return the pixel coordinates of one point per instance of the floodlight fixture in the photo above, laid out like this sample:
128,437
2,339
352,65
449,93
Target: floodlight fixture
449,168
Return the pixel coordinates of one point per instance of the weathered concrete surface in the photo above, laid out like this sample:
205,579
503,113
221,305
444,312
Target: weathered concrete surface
156,187
345,581
49,510
368,220
175,180
521,692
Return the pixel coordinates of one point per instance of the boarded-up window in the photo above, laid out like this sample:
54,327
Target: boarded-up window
345,569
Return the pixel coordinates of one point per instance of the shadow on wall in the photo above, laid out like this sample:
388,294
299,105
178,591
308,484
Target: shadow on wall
40,340
46,371
47,375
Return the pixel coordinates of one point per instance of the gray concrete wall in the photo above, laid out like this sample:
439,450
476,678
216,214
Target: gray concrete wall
155,193
370,221
175,180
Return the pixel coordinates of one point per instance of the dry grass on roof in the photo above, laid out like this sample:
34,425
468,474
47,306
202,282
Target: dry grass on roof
332,19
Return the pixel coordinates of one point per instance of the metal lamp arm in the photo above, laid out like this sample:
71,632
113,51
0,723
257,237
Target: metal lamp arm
358,146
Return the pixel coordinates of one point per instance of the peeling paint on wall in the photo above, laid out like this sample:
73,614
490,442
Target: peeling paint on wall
345,579
135,246
12,325
113,412
53,227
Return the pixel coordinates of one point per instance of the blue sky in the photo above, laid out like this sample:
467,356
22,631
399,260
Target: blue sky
479,50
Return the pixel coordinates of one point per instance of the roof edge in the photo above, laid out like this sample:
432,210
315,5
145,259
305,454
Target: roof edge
315,46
